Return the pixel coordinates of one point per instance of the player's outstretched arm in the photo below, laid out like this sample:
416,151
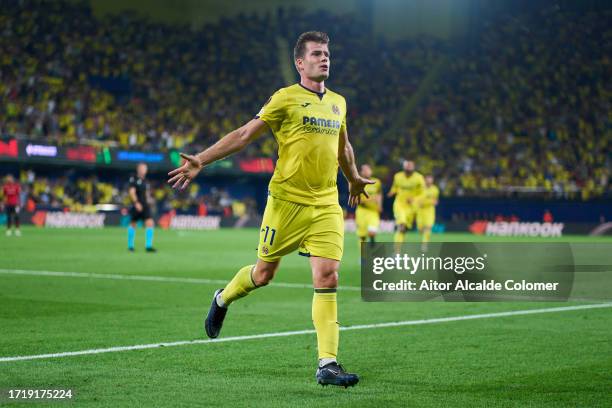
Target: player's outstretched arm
346,159
231,143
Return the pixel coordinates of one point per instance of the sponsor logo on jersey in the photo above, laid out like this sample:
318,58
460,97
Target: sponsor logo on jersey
320,122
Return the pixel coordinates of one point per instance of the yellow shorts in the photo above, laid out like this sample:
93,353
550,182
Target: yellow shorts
288,226
404,214
367,220
426,217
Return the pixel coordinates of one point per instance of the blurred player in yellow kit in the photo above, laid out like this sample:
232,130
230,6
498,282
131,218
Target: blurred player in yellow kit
426,210
367,215
407,186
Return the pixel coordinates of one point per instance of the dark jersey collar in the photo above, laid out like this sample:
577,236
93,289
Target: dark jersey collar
319,94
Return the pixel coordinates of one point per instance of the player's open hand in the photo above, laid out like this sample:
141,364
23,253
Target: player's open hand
182,176
356,189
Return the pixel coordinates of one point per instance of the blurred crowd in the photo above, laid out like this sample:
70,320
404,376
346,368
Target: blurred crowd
524,106
68,77
86,193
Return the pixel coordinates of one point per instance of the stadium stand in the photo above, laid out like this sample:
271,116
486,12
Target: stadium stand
524,107
79,192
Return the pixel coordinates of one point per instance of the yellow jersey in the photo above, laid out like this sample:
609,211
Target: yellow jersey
429,197
406,187
306,125
372,190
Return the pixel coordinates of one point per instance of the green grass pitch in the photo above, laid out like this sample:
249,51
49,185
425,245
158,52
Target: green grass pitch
540,360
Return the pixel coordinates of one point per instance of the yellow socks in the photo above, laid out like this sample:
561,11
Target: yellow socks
240,286
361,241
325,319
324,310
426,236
399,236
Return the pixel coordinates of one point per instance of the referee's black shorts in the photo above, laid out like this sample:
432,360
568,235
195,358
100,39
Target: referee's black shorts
136,215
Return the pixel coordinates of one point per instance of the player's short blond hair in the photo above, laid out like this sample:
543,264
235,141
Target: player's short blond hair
309,36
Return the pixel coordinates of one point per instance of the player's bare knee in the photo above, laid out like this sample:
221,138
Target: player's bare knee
263,273
326,278
332,280
261,277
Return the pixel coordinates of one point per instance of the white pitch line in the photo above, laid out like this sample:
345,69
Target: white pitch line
110,276
300,332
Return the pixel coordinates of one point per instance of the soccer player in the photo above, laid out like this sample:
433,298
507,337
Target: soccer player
302,213
140,195
426,213
407,185
11,191
367,215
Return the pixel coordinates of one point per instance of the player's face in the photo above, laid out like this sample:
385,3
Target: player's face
316,62
429,181
366,171
408,166
142,170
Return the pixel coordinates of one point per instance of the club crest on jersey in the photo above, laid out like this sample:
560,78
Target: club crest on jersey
336,109
265,250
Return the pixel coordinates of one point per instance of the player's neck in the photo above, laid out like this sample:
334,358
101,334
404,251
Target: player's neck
318,87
